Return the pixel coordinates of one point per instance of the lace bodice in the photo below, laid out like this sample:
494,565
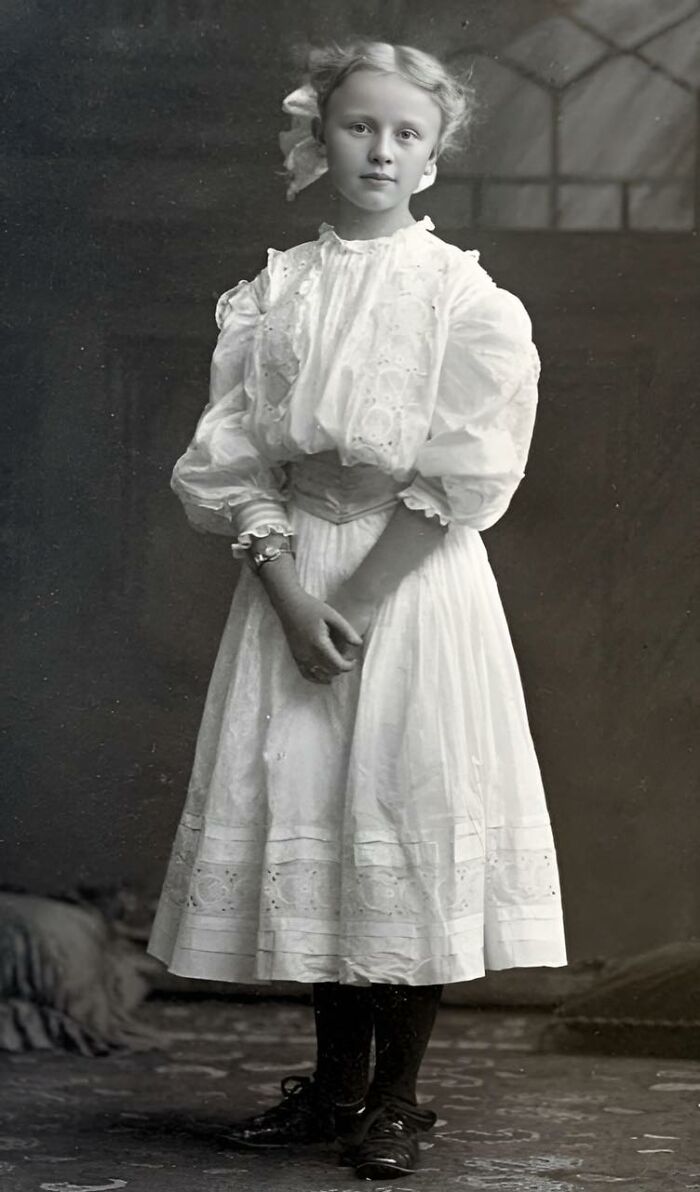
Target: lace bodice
397,352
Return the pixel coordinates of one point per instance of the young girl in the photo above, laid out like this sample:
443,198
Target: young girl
366,812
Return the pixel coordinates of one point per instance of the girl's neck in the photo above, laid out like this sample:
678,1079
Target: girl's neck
353,223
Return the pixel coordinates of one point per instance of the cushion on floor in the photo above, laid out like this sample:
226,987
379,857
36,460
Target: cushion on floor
67,981
647,1004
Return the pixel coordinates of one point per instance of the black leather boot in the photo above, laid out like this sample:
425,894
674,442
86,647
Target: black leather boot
302,1117
388,1146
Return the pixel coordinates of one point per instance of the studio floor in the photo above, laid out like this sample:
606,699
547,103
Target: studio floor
510,1116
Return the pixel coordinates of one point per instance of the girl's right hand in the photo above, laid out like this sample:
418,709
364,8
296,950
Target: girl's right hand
308,624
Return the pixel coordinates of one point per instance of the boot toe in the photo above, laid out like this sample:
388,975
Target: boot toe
301,1118
389,1147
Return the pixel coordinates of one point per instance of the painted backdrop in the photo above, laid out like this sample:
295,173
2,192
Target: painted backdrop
142,171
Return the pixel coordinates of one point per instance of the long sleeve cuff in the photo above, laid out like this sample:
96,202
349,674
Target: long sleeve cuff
425,499
256,519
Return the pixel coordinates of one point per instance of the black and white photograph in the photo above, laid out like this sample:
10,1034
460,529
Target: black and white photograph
350,826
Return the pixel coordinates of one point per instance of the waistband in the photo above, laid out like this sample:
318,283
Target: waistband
325,487
319,509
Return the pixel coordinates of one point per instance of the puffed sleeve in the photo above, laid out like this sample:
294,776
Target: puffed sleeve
226,486
474,457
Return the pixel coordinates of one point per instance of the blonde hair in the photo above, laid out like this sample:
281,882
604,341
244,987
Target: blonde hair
328,66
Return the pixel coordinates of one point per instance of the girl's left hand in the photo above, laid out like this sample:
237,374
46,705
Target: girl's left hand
358,611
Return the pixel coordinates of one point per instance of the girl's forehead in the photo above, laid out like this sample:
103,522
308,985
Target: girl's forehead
368,91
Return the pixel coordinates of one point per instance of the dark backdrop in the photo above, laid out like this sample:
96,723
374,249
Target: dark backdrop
142,178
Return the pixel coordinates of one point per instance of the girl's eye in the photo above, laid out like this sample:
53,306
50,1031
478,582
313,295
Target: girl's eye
405,134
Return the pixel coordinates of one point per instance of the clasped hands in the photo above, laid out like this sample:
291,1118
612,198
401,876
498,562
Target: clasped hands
326,639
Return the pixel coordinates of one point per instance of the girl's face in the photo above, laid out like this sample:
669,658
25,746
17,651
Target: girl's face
381,133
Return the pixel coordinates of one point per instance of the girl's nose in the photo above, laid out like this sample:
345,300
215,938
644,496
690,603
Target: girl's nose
381,148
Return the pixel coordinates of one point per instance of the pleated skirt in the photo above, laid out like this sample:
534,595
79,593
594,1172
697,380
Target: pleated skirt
389,827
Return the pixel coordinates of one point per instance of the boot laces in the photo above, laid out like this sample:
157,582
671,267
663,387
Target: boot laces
297,1092
293,1086
393,1116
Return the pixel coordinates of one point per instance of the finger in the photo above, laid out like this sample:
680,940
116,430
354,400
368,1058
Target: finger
331,658
328,667
338,621
346,649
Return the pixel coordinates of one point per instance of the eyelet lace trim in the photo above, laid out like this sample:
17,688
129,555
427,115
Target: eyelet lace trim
516,888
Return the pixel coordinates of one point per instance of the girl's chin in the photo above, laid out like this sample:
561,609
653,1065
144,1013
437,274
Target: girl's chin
376,199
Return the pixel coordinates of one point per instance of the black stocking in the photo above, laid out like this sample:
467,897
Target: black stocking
404,1016
344,1021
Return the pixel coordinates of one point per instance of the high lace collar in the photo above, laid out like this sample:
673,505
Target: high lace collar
327,232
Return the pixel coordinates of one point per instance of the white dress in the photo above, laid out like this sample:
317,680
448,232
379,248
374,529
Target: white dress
391,826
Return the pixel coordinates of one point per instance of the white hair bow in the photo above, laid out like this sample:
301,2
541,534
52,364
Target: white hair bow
304,157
